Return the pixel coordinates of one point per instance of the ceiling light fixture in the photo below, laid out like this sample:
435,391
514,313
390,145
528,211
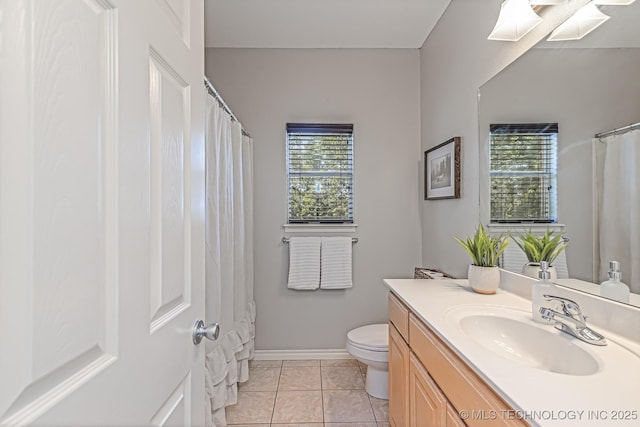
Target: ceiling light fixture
516,19
550,2
614,2
585,20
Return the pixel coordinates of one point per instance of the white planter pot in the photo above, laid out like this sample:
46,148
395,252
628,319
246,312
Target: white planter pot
484,280
533,268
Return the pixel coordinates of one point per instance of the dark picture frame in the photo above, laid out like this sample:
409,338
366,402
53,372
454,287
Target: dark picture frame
442,170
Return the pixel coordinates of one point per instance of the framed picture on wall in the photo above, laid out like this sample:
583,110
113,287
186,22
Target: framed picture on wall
442,171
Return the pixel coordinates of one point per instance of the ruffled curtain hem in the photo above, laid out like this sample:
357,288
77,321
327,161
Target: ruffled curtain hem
227,364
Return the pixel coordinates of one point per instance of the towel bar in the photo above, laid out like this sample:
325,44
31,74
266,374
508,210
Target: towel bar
285,240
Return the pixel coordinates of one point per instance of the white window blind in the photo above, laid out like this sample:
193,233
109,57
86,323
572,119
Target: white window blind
320,172
523,175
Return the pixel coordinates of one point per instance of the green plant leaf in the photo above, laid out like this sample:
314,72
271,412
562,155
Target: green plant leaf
540,248
484,249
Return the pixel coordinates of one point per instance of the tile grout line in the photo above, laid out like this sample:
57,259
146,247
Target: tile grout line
364,374
273,409
372,410
322,392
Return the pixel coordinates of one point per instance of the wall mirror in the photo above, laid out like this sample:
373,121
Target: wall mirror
587,86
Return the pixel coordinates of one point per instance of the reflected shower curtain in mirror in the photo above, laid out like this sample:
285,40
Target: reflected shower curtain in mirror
229,258
618,191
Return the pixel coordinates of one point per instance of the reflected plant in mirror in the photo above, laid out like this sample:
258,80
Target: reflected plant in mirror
540,248
587,87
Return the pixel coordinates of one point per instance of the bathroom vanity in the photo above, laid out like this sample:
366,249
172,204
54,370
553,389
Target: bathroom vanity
459,358
426,379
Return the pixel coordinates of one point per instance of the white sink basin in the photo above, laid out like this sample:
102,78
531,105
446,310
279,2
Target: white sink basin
512,335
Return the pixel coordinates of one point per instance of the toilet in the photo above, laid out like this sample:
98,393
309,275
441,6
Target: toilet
370,345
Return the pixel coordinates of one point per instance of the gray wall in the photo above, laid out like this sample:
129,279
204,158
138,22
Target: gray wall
586,91
379,92
402,102
456,59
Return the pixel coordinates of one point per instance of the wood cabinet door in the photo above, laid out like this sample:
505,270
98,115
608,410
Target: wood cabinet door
398,379
427,404
453,417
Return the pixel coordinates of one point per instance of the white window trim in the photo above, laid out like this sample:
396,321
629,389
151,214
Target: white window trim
517,228
320,228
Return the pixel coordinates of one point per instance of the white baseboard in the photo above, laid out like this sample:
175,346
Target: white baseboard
340,353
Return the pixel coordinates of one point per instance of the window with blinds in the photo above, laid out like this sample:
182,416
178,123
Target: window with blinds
523,172
320,172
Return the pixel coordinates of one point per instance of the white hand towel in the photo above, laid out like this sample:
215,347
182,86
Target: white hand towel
335,261
304,263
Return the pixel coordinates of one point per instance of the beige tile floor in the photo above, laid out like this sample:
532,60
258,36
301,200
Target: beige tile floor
307,393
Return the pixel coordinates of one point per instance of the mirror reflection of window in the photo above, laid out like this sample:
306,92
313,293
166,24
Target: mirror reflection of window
524,172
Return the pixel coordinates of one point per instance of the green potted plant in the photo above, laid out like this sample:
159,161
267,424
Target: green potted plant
484,249
539,248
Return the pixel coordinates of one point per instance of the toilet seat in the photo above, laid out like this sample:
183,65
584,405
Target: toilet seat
370,337
370,345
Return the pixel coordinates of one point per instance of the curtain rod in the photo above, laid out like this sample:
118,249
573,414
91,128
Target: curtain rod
619,131
212,90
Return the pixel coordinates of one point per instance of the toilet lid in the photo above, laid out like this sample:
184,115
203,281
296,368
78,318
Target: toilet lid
371,336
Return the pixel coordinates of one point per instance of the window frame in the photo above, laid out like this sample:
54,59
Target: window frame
548,154
320,129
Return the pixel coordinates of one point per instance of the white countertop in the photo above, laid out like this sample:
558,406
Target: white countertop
543,398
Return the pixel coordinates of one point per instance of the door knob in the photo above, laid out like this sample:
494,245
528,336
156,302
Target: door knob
200,330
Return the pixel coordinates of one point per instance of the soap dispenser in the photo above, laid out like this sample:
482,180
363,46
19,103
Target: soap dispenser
538,290
614,288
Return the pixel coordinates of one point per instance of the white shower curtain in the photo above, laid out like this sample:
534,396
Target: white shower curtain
618,189
229,258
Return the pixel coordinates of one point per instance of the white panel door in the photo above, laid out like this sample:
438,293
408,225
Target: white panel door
101,212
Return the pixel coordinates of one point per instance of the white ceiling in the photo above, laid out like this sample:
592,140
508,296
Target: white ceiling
320,23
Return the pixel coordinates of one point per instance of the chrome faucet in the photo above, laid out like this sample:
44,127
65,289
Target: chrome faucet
571,320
